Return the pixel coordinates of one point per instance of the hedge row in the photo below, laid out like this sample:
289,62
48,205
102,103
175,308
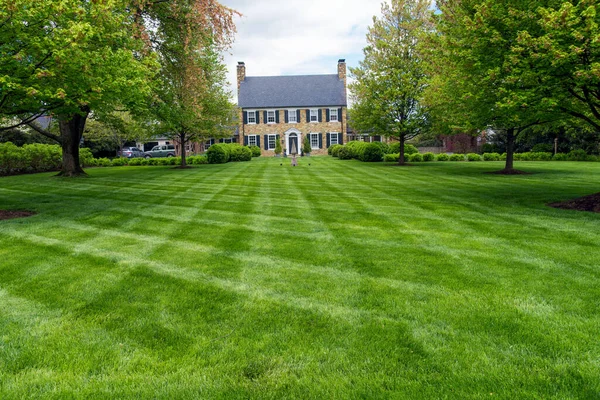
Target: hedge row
368,152
575,155
225,152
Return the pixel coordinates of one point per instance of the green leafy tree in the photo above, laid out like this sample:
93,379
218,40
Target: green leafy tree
390,80
306,145
278,149
191,101
562,56
66,58
110,132
473,85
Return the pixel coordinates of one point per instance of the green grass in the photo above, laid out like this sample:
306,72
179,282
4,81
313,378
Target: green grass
334,280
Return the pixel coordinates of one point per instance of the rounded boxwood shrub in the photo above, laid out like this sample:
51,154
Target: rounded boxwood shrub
428,156
255,151
577,155
541,156
408,148
384,147
372,153
391,157
473,157
356,148
218,154
334,150
457,157
560,157
442,157
239,153
345,153
135,162
103,162
416,157
491,157
143,161
119,162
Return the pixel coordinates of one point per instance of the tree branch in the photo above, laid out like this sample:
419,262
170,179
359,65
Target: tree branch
44,132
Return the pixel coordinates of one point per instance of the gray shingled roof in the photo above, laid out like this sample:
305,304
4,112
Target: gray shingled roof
291,91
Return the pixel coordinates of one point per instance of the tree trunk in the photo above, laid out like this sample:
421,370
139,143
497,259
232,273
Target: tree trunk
71,131
510,150
182,143
401,159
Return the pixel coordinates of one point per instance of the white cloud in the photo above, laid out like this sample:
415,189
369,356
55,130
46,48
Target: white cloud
296,37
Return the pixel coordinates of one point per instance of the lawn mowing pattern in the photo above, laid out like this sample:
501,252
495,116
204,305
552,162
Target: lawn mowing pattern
335,280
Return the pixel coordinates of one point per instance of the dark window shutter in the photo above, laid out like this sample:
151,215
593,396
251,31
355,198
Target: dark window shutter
257,117
298,116
265,115
339,114
246,117
328,140
320,115
258,140
340,138
277,116
327,116
276,137
307,115
245,140
286,116
320,140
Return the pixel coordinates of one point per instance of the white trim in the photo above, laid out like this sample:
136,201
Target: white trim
293,112
274,135
335,135
248,114
337,117
255,141
274,117
311,135
287,140
316,110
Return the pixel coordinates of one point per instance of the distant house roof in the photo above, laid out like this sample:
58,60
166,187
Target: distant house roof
291,91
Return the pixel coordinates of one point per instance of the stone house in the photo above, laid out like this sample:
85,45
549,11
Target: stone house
290,108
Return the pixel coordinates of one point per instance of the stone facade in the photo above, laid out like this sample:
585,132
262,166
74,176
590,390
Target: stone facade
321,131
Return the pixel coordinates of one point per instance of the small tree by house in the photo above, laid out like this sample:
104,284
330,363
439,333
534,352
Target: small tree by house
306,145
278,147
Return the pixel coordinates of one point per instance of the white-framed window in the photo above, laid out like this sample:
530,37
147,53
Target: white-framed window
270,117
252,117
251,140
292,116
314,115
272,141
333,138
314,140
333,115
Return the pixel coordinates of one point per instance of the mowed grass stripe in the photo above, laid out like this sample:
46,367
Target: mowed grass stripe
259,280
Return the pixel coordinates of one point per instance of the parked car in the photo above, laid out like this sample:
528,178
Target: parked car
131,152
165,150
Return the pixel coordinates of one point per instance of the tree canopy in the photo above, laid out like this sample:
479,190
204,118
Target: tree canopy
391,78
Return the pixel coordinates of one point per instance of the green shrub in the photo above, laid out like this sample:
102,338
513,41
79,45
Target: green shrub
255,151
197,160
416,157
391,157
306,145
457,157
29,158
135,162
334,150
408,148
103,162
239,153
428,156
356,148
144,161
442,157
372,153
384,147
541,156
577,155
119,162
345,153
278,149
503,157
473,157
491,157
86,158
560,157
218,154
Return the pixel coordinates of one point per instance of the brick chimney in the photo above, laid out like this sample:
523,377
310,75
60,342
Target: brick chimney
342,70
241,74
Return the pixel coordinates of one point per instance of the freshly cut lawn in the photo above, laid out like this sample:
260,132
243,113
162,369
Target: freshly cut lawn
334,280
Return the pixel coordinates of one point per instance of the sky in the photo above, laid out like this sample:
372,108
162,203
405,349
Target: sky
298,37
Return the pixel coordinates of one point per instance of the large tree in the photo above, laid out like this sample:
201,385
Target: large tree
191,101
390,80
474,85
66,58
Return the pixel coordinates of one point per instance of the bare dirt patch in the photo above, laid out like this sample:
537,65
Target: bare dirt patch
12,214
589,203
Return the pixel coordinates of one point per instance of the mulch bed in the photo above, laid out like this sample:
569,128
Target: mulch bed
589,203
12,214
